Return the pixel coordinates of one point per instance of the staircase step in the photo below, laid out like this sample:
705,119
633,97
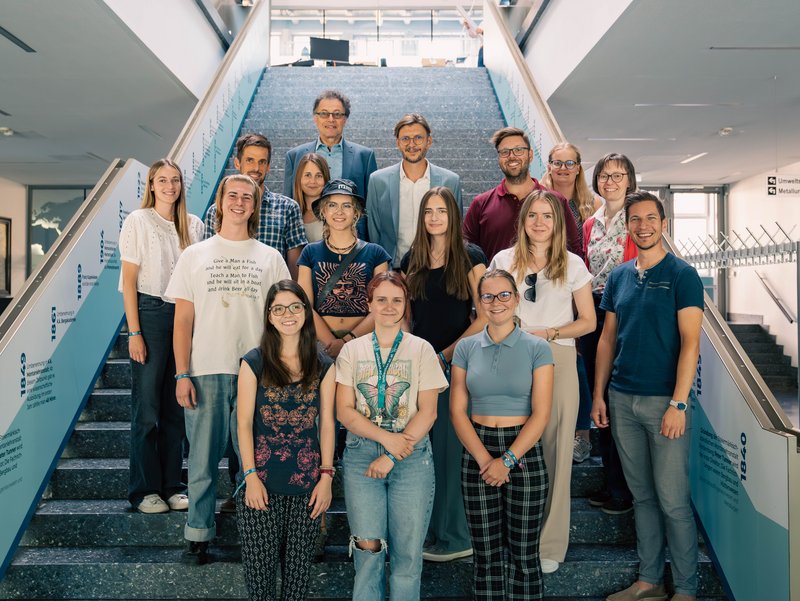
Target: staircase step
116,373
107,404
149,572
783,383
762,347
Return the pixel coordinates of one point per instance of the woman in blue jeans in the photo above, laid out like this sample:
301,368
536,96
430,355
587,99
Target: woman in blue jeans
388,383
151,240
502,391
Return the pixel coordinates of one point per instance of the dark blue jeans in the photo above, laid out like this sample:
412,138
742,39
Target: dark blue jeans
157,428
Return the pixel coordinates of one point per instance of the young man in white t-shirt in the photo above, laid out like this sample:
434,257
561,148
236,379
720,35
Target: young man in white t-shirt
220,287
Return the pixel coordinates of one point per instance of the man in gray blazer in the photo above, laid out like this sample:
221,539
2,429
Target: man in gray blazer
346,160
394,193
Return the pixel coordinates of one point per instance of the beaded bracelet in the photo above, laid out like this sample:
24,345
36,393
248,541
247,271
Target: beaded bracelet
136,333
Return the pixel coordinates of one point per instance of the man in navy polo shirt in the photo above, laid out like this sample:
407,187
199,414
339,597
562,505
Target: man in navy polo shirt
651,338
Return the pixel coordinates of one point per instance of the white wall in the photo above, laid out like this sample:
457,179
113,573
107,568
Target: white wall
177,32
564,36
14,205
750,207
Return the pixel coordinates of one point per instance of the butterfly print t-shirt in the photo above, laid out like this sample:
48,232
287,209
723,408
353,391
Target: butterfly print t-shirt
414,368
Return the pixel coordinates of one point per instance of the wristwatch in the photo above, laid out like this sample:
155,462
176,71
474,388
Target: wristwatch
679,405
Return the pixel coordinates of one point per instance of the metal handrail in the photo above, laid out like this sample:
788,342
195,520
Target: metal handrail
776,299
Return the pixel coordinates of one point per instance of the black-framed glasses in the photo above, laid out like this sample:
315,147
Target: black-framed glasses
327,115
568,165
503,297
530,293
406,140
517,151
614,177
294,309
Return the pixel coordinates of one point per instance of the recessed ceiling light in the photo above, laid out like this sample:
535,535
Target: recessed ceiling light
725,131
6,131
694,158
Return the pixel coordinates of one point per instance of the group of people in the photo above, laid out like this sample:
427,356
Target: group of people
361,301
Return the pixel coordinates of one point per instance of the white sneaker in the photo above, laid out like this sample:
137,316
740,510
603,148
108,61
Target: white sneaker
581,448
153,504
178,502
548,565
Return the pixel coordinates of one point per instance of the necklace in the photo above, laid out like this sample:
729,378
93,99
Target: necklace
340,250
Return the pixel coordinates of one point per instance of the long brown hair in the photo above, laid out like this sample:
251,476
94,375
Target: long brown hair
274,371
319,161
456,260
556,269
581,194
180,216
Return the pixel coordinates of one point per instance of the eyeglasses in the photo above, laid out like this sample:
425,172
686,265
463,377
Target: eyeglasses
503,297
615,177
335,206
327,115
517,151
405,140
568,165
294,309
530,293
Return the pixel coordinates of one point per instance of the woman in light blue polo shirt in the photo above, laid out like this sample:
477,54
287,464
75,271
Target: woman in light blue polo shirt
507,377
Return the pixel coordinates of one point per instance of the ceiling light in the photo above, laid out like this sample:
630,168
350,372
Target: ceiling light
725,131
694,158
6,131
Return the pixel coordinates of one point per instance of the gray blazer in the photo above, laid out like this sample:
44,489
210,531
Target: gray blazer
383,202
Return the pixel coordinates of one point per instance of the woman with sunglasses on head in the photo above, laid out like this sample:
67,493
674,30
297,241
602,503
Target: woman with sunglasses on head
502,389
335,271
551,279
606,245
566,176
442,272
286,386
312,175
388,383
151,240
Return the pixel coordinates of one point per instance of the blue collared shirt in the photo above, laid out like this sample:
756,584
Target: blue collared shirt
333,156
280,224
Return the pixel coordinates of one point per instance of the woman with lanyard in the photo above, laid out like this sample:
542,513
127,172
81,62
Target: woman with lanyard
607,245
565,175
388,383
551,279
286,386
151,240
335,271
442,272
312,175
502,383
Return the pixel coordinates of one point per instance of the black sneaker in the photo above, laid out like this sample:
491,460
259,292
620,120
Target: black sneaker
615,506
228,505
198,550
599,499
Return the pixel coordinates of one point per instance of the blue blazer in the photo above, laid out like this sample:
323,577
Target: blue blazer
383,202
358,163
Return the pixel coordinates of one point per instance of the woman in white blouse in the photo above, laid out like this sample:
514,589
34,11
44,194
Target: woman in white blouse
550,279
150,242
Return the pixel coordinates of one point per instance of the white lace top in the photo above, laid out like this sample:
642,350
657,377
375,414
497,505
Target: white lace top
151,242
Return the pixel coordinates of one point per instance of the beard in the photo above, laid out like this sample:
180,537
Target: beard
522,177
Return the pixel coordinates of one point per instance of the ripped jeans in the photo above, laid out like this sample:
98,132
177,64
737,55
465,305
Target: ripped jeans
395,511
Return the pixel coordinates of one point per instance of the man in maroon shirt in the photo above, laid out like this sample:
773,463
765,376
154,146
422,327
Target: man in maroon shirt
491,220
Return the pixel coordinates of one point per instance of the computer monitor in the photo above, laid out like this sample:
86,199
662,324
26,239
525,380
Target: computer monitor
330,50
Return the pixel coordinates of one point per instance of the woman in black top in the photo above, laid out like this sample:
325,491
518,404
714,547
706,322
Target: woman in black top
442,273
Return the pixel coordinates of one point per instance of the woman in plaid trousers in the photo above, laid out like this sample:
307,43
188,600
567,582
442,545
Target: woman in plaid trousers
506,375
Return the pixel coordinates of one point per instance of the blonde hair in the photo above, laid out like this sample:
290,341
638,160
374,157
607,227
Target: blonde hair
180,216
252,222
556,268
581,194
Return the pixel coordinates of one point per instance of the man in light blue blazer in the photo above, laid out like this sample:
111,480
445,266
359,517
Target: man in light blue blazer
346,160
394,193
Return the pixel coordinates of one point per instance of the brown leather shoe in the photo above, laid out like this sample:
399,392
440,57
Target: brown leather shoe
633,593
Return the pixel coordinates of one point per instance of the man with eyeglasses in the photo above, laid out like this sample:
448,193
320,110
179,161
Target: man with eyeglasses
346,160
280,224
220,286
394,193
491,220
